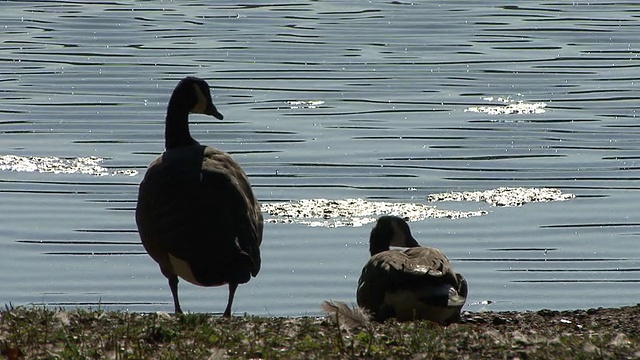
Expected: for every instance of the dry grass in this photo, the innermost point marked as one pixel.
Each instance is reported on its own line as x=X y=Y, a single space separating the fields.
x=31 y=333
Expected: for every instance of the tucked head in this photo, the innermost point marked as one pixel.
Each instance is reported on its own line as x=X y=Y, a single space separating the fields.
x=193 y=95
x=390 y=231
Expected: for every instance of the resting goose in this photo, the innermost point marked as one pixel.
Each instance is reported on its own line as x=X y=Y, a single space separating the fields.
x=196 y=214
x=416 y=283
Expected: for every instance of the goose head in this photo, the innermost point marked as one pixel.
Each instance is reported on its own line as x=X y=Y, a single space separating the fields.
x=390 y=231
x=191 y=96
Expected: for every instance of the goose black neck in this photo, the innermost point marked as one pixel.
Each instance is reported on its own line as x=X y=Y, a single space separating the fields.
x=380 y=237
x=376 y=247
x=176 y=132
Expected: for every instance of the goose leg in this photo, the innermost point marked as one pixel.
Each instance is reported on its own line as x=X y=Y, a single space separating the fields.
x=232 y=292
x=173 y=285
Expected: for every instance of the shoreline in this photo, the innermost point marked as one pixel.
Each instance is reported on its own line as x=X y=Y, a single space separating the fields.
x=31 y=332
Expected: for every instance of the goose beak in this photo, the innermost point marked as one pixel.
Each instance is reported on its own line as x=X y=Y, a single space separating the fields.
x=211 y=110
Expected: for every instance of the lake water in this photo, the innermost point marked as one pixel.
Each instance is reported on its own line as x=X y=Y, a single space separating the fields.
x=383 y=101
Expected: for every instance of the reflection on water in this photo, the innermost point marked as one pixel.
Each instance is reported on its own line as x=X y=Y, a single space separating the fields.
x=359 y=212
x=90 y=165
x=509 y=107
x=384 y=102
x=505 y=196
x=353 y=212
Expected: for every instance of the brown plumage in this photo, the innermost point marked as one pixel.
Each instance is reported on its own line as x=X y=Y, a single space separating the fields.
x=196 y=214
x=417 y=283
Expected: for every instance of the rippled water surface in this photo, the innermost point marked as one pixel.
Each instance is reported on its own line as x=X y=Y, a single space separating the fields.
x=380 y=100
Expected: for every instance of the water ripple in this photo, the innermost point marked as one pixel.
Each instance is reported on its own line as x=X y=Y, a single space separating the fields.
x=380 y=102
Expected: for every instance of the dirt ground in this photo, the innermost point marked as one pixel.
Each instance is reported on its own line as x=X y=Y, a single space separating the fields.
x=625 y=320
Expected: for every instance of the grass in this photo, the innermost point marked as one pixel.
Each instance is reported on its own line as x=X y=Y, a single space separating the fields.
x=41 y=333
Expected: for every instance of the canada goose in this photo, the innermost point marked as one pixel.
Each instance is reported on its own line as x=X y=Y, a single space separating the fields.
x=417 y=283
x=197 y=216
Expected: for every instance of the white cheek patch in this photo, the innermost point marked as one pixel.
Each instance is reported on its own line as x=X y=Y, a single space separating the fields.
x=201 y=105
x=182 y=269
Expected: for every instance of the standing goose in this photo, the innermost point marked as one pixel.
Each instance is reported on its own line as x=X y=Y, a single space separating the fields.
x=197 y=216
x=417 y=283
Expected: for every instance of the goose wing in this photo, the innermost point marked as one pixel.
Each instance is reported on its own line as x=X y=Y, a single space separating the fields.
x=196 y=204
x=226 y=184
x=376 y=279
x=428 y=263
x=435 y=281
